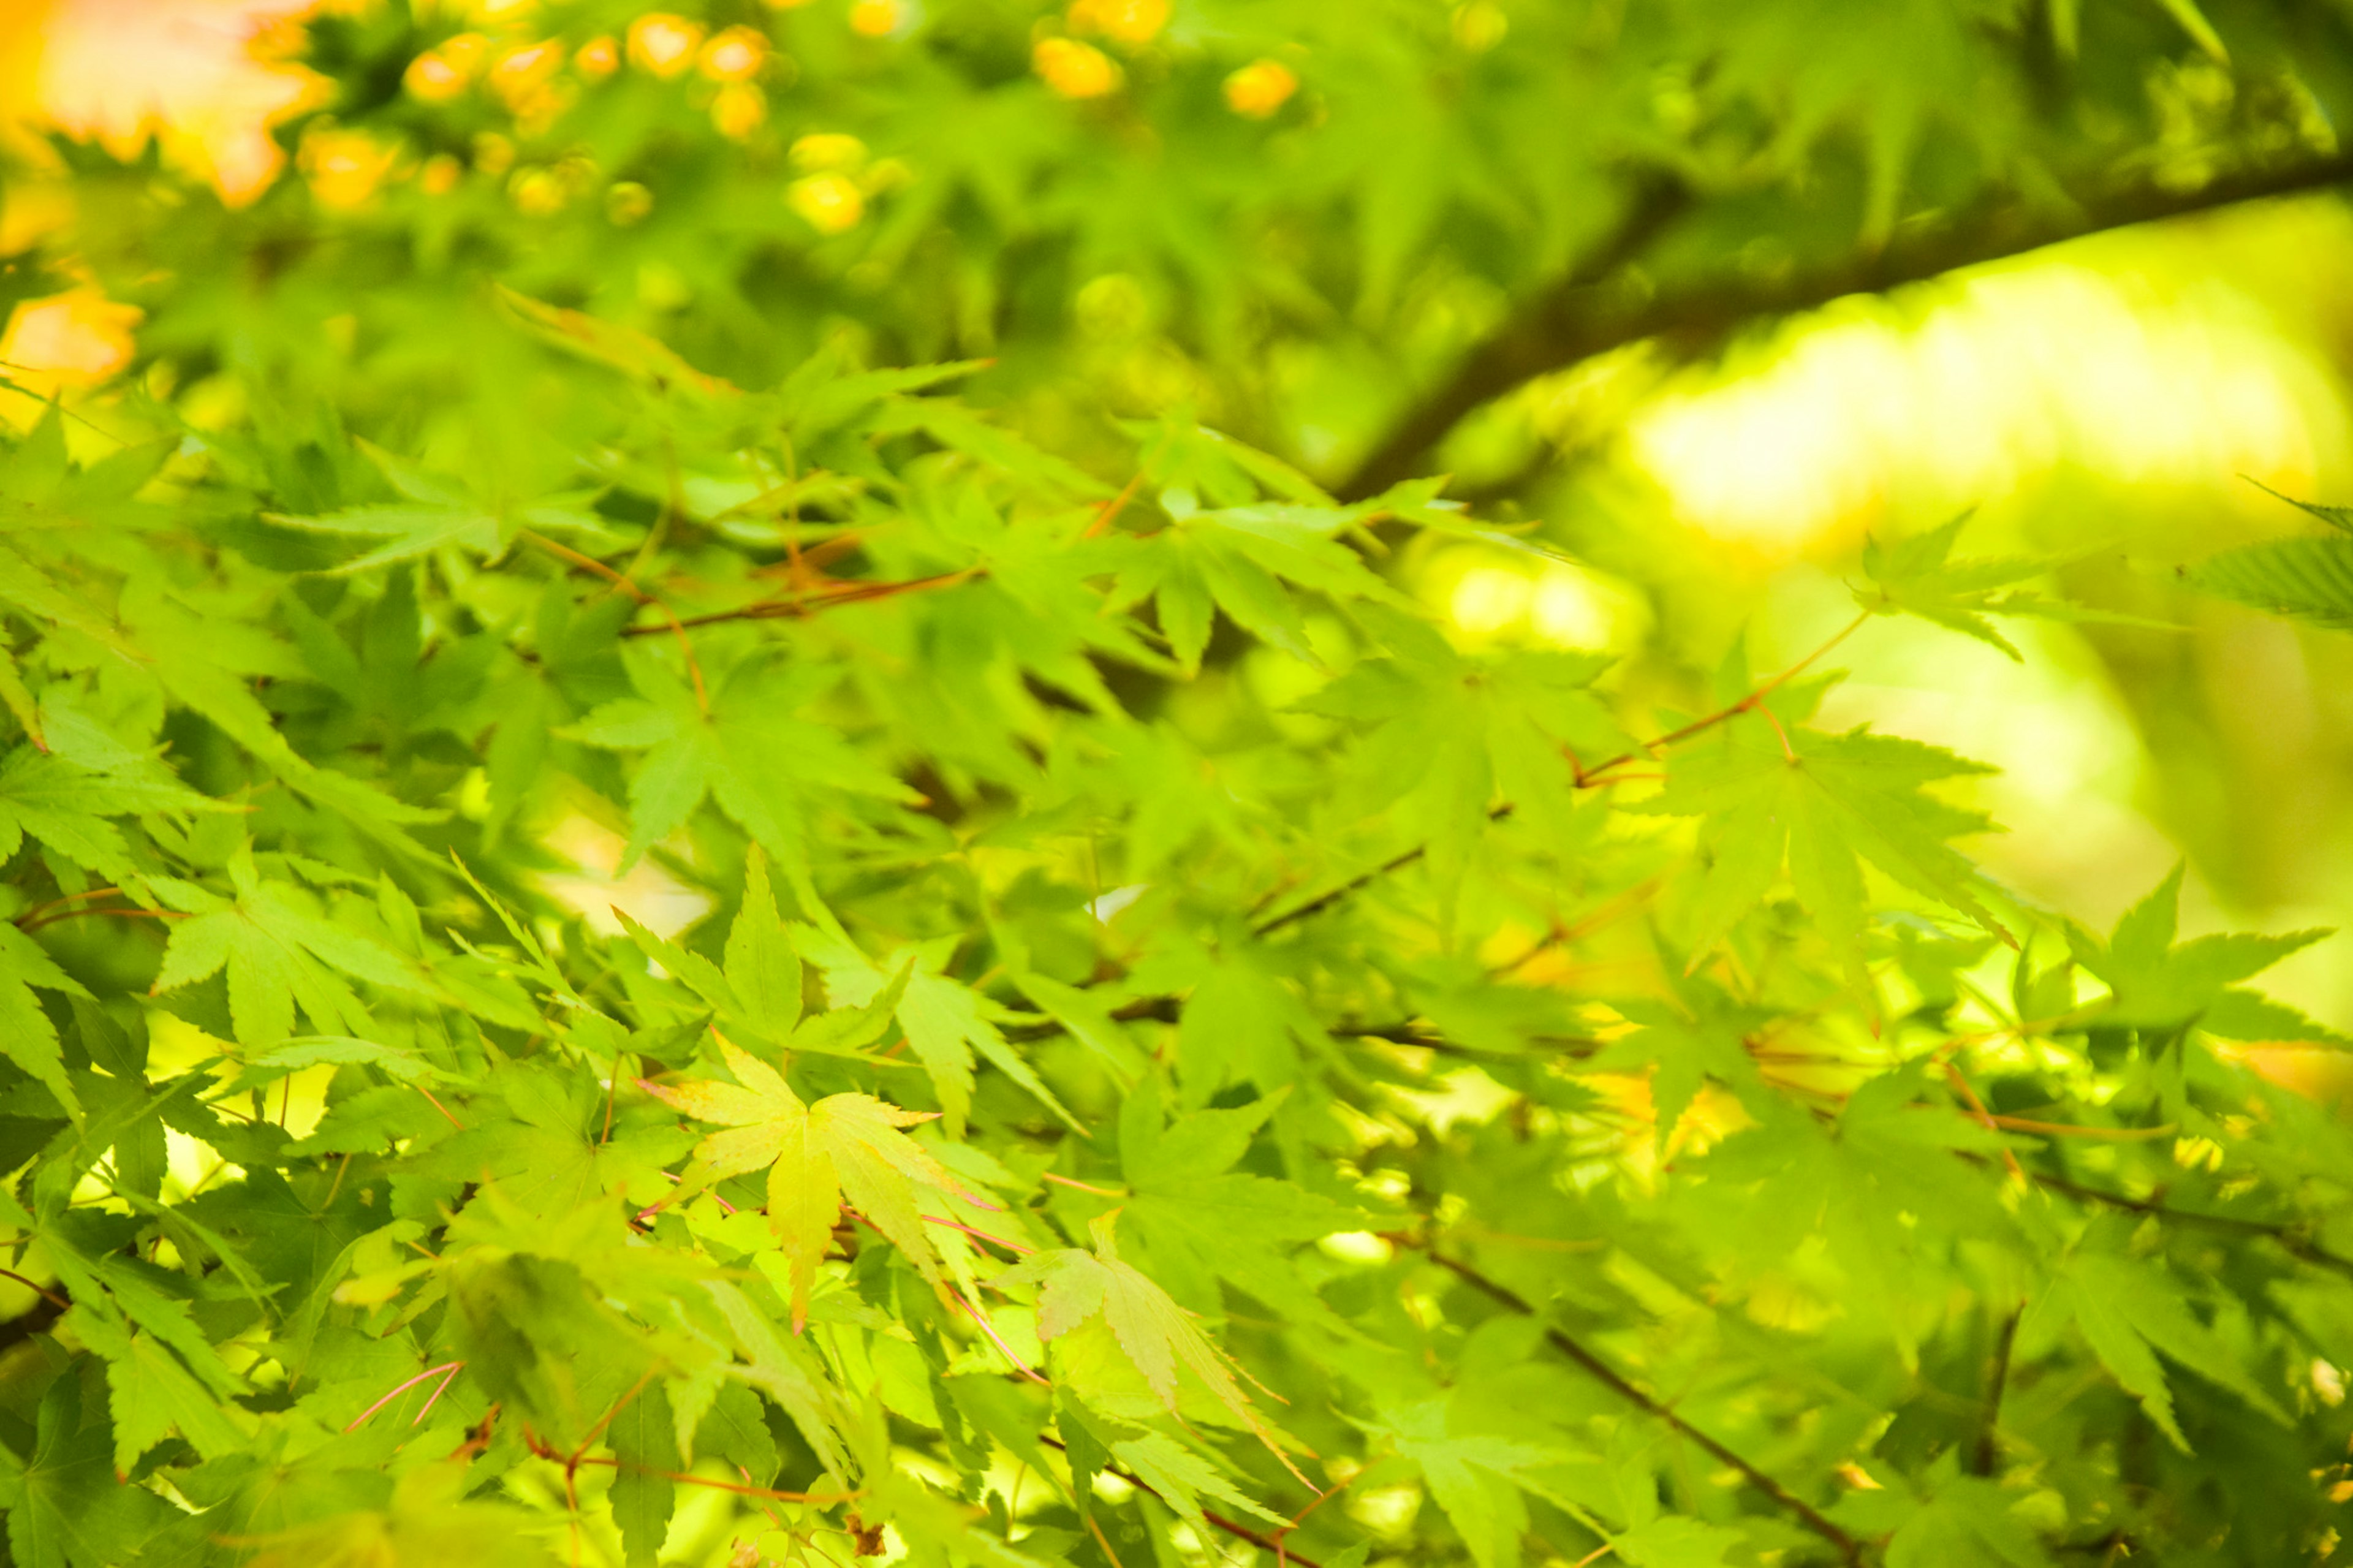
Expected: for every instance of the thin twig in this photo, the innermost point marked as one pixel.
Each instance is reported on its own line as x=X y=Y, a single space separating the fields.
x=118 y=915
x=540 y=1447
x=1804 y=1511
x=1237 y=1531
x=998 y=1240
x=1961 y=1086
x=820 y=599
x=1081 y=1186
x=2068 y=1130
x=621 y=581
x=2289 y=1236
x=1587 y=777
x=981 y=1319
x=1108 y=512
x=1583 y=777
x=43 y=1291
x=38 y=910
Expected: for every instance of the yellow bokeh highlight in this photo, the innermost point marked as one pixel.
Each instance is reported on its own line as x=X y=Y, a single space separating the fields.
x=64 y=343
x=1131 y=22
x=441 y=74
x=1480 y=25
x=828 y=203
x=877 y=19
x=627 y=203
x=663 y=44
x=597 y=59
x=1491 y=596
x=2015 y=372
x=1260 y=87
x=192 y=73
x=1075 y=69
x=824 y=150
x=344 y=168
x=521 y=74
x=735 y=55
x=738 y=110
x=539 y=193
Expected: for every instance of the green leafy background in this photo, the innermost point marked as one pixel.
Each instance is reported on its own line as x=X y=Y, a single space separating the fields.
x=1727 y=984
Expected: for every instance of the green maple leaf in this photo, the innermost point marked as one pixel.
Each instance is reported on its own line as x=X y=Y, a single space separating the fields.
x=41 y=490
x=1199 y=1216
x=65 y=805
x=438 y=512
x=1915 y=577
x=746 y=752
x=278 y=950
x=947 y=1021
x=1683 y=1046
x=2130 y=1311
x=643 y=1436
x=2156 y=982
x=428 y=1523
x=1476 y=1477
x=1238 y=560
x=63 y=1508
x=1822 y=805
x=1443 y=734
x=153 y=1395
x=846 y=1146
x=26 y=1035
x=758 y=991
x=1157 y=1336
x=18 y=697
x=778 y=1367
x=763 y=970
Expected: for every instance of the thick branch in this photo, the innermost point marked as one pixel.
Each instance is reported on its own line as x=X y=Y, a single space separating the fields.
x=1597 y=308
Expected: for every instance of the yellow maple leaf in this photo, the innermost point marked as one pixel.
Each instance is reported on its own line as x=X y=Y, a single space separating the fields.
x=844 y=1146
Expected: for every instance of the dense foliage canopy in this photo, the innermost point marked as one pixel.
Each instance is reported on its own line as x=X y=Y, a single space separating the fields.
x=1146 y=1043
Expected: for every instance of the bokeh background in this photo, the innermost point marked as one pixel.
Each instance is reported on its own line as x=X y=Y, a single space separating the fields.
x=2116 y=401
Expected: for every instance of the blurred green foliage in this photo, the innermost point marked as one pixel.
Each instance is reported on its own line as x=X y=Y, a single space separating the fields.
x=750 y=816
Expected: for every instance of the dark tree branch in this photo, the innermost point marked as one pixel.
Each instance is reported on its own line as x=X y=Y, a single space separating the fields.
x=38 y=1319
x=1805 y=1512
x=1598 y=308
x=2289 y=1236
x=1282 y=1553
x=1502 y=362
x=1982 y=1456
x=1323 y=901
